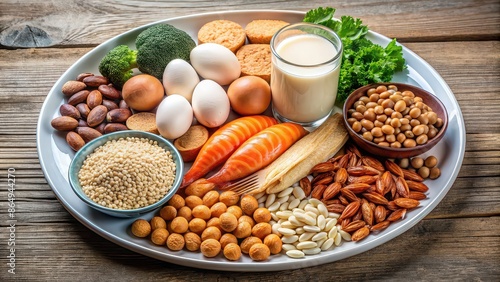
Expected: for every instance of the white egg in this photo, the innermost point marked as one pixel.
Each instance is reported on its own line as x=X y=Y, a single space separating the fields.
x=216 y=62
x=180 y=78
x=210 y=103
x=174 y=116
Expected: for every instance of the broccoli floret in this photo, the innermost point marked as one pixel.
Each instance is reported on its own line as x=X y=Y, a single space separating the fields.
x=118 y=64
x=160 y=44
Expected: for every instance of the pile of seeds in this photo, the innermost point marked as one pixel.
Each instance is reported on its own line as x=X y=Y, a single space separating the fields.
x=128 y=173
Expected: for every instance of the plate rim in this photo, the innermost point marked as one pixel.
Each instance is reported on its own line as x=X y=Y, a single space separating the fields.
x=323 y=258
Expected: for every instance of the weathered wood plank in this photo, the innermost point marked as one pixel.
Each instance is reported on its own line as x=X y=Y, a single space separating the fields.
x=72 y=23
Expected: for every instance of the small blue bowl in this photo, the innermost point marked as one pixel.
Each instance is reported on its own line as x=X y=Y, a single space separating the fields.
x=80 y=156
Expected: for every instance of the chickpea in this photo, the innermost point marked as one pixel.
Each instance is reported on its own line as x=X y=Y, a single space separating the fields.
x=373 y=97
x=368 y=136
x=193 y=201
x=434 y=173
x=261 y=230
x=357 y=115
x=175 y=242
x=141 y=228
x=408 y=93
x=185 y=212
x=385 y=95
x=409 y=134
x=192 y=241
x=360 y=108
x=168 y=213
x=400 y=105
x=419 y=105
x=248 y=242
x=401 y=137
x=210 y=248
x=418 y=130
x=236 y=210
x=388 y=104
x=358 y=103
x=396 y=144
x=368 y=124
x=390 y=138
x=177 y=201
x=248 y=204
x=217 y=209
x=159 y=236
x=243 y=230
x=378 y=110
x=232 y=251
x=230 y=198
x=259 y=252
x=424 y=172
x=439 y=122
x=415 y=112
x=417 y=162
x=417 y=99
x=371 y=91
x=364 y=99
x=378 y=123
x=210 y=198
x=381 y=88
x=356 y=126
x=432 y=133
x=377 y=132
x=227 y=238
x=409 y=143
x=228 y=222
x=396 y=122
x=247 y=219
x=157 y=222
x=422 y=139
x=215 y=222
x=351 y=120
x=384 y=143
x=273 y=242
x=379 y=139
x=404 y=162
x=179 y=225
x=199 y=188
x=387 y=129
x=405 y=127
x=202 y=211
x=414 y=122
x=388 y=111
x=211 y=232
x=197 y=225
x=431 y=161
x=350 y=111
x=262 y=215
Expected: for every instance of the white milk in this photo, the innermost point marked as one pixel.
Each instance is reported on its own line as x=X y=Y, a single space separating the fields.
x=304 y=93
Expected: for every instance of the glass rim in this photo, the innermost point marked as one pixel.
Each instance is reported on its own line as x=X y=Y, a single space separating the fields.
x=289 y=26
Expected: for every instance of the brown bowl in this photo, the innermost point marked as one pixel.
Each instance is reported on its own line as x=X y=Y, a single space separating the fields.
x=389 y=152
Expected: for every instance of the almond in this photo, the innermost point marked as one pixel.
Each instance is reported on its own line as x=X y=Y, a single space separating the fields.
x=83 y=75
x=379 y=214
x=411 y=175
x=397 y=214
x=402 y=187
x=97 y=115
x=70 y=111
x=318 y=191
x=368 y=179
x=376 y=198
x=94 y=99
x=109 y=91
x=344 y=160
x=331 y=190
x=322 y=179
x=417 y=186
x=95 y=80
x=118 y=115
x=373 y=162
x=341 y=175
x=357 y=188
x=379 y=186
x=367 y=212
x=88 y=133
x=110 y=105
x=354 y=225
x=73 y=86
x=417 y=195
x=353 y=150
x=83 y=109
x=323 y=167
x=349 y=195
x=380 y=226
x=391 y=205
x=78 y=97
x=407 y=203
x=358 y=215
x=305 y=184
x=113 y=127
x=388 y=182
x=75 y=141
x=362 y=170
x=350 y=210
x=64 y=123
x=336 y=208
x=360 y=234
x=101 y=127
x=394 y=168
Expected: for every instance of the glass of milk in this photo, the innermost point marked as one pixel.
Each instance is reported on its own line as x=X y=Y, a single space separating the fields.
x=305 y=73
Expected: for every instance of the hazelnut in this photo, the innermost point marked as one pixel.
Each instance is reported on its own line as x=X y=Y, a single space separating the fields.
x=248 y=204
x=232 y=251
x=202 y=211
x=157 y=222
x=185 y=212
x=228 y=222
x=210 y=198
x=168 y=212
x=227 y=238
x=199 y=188
x=274 y=243
x=247 y=219
x=192 y=241
x=210 y=248
x=261 y=230
x=217 y=209
x=211 y=232
x=230 y=198
x=175 y=242
x=235 y=210
x=193 y=201
x=177 y=201
x=141 y=228
x=214 y=221
x=259 y=252
x=159 y=236
x=179 y=225
x=197 y=225
x=262 y=215
x=248 y=242
x=243 y=230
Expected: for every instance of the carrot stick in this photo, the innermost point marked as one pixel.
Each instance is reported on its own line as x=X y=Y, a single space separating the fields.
x=259 y=151
x=223 y=143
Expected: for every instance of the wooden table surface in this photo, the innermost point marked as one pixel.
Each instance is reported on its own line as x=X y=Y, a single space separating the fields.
x=458 y=240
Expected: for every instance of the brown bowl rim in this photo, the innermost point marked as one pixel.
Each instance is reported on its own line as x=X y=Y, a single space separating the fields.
x=427 y=146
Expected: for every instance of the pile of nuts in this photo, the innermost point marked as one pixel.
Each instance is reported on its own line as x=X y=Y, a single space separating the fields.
x=94 y=107
x=212 y=222
x=425 y=168
x=394 y=119
x=367 y=193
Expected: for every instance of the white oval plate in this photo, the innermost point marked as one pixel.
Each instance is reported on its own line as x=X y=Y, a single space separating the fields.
x=55 y=156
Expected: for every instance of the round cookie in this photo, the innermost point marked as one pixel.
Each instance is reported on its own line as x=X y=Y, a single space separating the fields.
x=255 y=59
x=227 y=33
x=261 y=31
x=143 y=121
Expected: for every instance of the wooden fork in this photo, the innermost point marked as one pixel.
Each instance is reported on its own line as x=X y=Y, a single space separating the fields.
x=248 y=184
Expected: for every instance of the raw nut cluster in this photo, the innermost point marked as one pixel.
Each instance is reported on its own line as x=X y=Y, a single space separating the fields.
x=304 y=224
x=426 y=168
x=367 y=193
x=392 y=118
x=213 y=223
x=93 y=107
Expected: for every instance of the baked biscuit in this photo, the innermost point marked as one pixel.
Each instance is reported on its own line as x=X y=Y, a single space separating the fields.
x=223 y=32
x=255 y=59
x=261 y=31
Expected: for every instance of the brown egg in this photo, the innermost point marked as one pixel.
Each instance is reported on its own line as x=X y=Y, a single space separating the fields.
x=143 y=92
x=249 y=95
